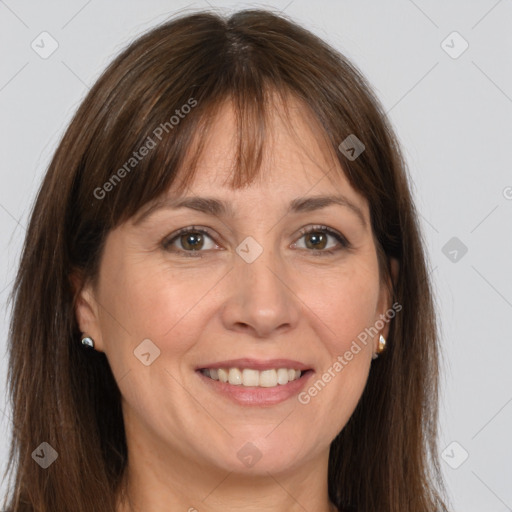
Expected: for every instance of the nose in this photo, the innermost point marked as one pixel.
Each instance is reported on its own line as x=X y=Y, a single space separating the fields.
x=261 y=301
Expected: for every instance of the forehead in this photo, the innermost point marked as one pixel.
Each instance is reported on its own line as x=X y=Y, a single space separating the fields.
x=299 y=171
x=298 y=158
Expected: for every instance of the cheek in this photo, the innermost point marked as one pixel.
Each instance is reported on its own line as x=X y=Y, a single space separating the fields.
x=347 y=305
x=151 y=300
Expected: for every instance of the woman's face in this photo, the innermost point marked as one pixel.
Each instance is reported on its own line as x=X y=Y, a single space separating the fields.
x=251 y=293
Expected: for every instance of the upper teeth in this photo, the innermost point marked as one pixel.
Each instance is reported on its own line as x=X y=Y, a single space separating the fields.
x=249 y=377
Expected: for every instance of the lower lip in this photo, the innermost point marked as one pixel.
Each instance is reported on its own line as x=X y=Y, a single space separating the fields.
x=251 y=395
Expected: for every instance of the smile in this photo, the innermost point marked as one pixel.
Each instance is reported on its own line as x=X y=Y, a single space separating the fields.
x=251 y=387
x=249 y=377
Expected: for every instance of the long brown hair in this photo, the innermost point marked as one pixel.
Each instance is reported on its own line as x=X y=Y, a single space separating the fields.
x=385 y=459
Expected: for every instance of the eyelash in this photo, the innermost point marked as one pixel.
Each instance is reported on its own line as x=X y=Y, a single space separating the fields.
x=344 y=243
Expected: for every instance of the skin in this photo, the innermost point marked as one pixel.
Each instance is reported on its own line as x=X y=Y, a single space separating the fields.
x=291 y=302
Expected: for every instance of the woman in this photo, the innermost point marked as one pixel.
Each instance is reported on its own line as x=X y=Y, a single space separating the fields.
x=223 y=300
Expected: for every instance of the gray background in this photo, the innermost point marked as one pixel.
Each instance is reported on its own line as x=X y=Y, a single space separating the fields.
x=452 y=113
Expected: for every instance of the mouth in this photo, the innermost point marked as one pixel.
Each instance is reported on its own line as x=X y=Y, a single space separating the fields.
x=250 y=377
x=256 y=382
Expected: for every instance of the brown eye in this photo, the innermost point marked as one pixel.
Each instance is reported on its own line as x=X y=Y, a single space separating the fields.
x=191 y=241
x=188 y=240
x=317 y=239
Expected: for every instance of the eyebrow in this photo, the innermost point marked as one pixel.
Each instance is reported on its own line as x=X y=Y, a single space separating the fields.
x=220 y=208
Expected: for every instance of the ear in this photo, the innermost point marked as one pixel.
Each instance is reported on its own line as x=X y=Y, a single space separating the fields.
x=385 y=299
x=86 y=309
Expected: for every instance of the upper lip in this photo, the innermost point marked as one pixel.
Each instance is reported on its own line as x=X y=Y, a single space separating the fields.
x=257 y=364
